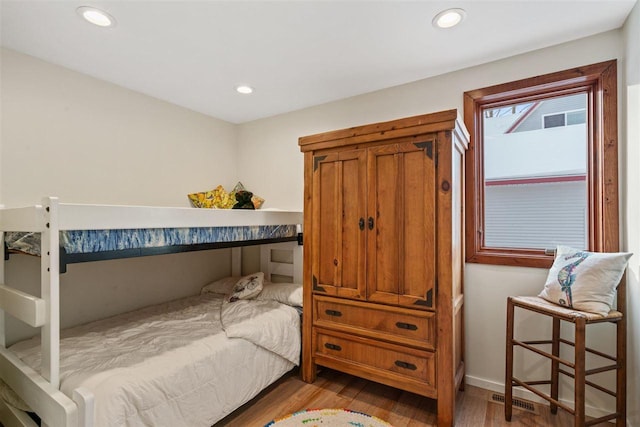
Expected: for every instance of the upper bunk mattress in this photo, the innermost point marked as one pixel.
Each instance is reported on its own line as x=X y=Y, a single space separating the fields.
x=92 y=241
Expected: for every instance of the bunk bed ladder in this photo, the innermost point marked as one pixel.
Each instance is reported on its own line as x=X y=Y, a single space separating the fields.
x=50 y=291
x=39 y=390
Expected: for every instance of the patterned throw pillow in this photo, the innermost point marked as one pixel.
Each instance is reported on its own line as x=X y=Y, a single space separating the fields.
x=218 y=198
x=586 y=281
x=247 y=287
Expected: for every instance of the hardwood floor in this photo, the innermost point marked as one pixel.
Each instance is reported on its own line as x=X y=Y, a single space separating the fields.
x=401 y=409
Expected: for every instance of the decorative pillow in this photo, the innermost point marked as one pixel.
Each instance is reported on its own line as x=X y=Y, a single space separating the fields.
x=199 y=200
x=586 y=281
x=217 y=198
x=238 y=187
x=247 y=287
x=285 y=293
x=257 y=201
x=223 y=286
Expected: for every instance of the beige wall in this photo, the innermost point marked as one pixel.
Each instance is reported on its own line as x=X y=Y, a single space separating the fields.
x=631 y=205
x=88 y=141
x=83 y=140
x=486 y=286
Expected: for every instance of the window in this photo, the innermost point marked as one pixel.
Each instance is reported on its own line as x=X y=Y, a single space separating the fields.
x=553 y=120
x=576 y=117
x=534 y=176
x=542 y=167
x=567 y=118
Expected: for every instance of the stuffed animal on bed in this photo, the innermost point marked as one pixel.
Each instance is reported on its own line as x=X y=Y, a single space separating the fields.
x=243 y=200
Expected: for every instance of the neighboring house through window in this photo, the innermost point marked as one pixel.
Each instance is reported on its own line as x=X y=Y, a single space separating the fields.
x=535 y=176
x=543 y=166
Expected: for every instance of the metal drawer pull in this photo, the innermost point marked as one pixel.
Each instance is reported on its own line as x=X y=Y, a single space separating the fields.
x=334 y=347
x=407 y=326
x=334 y=313
x=406 y=365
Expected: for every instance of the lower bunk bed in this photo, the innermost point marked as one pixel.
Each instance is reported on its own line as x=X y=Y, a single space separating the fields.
x=188 y=362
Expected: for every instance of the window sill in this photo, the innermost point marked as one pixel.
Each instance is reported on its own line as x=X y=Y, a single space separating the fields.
x=514 y=258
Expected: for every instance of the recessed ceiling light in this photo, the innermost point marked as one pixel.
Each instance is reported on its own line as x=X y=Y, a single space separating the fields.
x=449 y=18
x=96 y=16
x=244 y=89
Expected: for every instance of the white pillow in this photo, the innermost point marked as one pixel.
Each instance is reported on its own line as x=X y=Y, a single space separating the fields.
x=285 y=293
x=247 y=287
x=223 y=286
x=586 y=281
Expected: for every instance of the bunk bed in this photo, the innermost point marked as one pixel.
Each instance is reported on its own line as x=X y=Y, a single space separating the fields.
x=62 y=393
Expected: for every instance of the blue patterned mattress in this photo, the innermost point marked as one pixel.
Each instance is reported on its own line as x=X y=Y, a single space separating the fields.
x=92 y=241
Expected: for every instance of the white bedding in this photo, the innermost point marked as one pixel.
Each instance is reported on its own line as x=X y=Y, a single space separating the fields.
x=173 y=364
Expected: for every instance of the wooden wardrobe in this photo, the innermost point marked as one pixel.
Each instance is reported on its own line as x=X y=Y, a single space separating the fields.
x=383 y=254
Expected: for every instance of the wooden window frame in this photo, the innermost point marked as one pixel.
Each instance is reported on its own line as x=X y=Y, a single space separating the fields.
x=599 y=81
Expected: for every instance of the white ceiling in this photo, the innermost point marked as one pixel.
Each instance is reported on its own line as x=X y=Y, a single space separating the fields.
x=294 y=53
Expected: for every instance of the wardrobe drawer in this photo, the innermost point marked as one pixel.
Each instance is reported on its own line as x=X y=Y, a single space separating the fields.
x=394 y=324
x=384 y=362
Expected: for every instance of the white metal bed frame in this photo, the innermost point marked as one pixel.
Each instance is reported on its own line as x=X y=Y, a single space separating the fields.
x=41 y=390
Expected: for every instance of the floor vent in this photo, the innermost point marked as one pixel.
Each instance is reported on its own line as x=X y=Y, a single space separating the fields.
x=517 y=403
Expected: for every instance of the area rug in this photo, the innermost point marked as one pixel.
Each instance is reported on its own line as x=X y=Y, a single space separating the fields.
x=328 y=417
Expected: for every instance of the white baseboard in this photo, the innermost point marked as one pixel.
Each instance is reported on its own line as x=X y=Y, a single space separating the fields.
x=522 y=393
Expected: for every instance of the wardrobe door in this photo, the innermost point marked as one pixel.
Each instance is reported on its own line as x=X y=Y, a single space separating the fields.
x=339 y=207
x=417 y=253
x=384 y=200
x=401 y=210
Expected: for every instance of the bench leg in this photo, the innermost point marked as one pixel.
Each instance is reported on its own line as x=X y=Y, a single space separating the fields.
x=580 y=368
x=555 y=365
x=508 y=380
